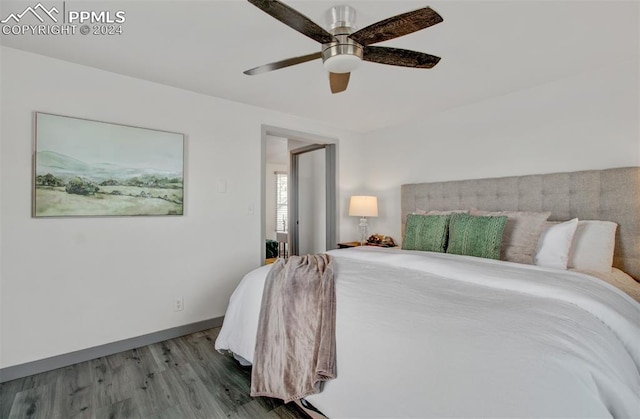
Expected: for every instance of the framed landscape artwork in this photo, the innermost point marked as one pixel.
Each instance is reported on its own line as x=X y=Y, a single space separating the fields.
x=91 y=168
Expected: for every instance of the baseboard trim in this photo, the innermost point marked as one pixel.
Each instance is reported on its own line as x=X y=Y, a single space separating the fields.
x=64 y=360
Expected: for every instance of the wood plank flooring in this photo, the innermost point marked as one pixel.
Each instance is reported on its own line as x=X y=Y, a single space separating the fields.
x=180 y=378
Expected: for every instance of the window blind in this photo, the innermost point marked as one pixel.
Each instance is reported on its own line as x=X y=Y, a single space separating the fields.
x=282 y=209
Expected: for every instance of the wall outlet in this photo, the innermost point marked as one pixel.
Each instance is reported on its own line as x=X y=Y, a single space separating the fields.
x=178 y=304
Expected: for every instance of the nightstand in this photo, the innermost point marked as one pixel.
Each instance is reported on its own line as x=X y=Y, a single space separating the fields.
x=346 y=245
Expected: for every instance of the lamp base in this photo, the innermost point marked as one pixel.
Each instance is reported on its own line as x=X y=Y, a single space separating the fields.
x=363 y=231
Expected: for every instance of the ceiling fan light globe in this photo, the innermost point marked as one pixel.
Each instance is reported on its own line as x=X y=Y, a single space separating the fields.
x=344 y=63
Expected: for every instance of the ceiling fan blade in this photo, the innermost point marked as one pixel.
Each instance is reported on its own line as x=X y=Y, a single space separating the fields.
x=338 y=82
x=294 y=19
x=282 y=64
x=399 y=57
x=396 y=26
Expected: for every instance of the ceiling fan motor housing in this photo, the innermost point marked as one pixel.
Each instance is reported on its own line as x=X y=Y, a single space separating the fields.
x=344 y=54
x=339 y=17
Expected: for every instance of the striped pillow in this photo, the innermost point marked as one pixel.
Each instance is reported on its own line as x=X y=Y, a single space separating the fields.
x=426 y=232
x=476 y=236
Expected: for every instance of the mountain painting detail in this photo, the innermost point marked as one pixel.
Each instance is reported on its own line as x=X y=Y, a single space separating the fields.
x=91 y=168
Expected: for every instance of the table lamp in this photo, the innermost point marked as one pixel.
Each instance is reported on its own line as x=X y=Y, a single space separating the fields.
x=363 y=207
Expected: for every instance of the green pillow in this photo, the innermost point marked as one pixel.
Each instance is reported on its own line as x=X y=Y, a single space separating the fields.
x=476 y=236
x=426 y=232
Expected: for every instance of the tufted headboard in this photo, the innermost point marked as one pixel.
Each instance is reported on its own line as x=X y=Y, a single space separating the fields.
x=610 y=194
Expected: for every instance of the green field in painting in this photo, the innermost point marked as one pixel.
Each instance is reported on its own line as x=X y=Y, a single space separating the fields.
x=128 y=200
x=169 y=194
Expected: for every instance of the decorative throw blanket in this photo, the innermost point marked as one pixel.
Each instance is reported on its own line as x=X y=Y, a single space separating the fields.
x=295 y=342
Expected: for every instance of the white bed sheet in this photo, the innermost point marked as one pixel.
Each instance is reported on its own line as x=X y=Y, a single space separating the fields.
x=434 y=335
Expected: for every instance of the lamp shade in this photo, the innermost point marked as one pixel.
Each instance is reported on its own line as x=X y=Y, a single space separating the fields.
x=363 y=206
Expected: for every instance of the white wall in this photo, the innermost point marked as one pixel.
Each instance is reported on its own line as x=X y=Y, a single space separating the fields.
x=588 y=121
x=73 y=283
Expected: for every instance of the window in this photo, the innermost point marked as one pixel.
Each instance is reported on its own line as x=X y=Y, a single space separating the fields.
x=282 y=210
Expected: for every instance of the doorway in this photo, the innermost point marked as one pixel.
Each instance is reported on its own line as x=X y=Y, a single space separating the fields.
x=307 y=163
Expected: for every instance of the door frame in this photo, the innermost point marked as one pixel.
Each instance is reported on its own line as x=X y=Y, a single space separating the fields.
x=268 y=130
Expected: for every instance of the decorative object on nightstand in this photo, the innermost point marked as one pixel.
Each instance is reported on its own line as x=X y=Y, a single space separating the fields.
x=380 y=240
x=363 y=207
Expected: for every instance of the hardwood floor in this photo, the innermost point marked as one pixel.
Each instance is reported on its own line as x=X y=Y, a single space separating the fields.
x=180 y=378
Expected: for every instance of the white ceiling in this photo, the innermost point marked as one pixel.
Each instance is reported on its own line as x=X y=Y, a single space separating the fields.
x=488 y=48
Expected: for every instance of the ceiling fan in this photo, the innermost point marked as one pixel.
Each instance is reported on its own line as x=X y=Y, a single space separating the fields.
x=344 y=47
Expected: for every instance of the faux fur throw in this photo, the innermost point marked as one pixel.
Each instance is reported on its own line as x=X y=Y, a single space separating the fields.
x=296 y=343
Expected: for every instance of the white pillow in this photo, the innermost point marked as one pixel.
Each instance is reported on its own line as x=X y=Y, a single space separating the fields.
x=555 y=244
x=593 y=246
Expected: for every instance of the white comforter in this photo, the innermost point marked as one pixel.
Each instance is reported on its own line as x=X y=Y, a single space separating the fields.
x=435 y=335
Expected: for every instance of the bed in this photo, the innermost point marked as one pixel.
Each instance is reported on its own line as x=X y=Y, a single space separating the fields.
x=428 y=334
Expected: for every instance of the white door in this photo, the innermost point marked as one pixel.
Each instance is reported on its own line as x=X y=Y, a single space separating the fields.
x=312 y=202
x=312 y=194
